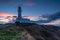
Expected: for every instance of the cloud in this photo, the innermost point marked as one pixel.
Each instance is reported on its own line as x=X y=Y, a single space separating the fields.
x=3 y=17
x=36 y=18
x=3 y=21
x=31 y=18
x=29 y=3
x=54 y=19
x=55 y=22
x=55 y=16
x=6 y=14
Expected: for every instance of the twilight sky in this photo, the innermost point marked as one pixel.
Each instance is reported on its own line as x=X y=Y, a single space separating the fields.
x=30 y=7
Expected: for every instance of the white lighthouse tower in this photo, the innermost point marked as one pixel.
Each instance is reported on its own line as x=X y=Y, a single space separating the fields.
x=19 y=18
x=19 y=13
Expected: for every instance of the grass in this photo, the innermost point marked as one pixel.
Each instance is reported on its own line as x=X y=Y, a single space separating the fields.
x=7 y=35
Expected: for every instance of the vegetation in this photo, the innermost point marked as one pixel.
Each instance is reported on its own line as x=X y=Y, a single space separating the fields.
x=12 y=32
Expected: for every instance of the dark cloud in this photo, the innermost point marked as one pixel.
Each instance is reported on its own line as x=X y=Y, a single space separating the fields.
x=51 y=18
x=55 y=16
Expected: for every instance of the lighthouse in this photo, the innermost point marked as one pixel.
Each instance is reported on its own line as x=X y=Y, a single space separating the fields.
x=19 y=18
x=19 y=13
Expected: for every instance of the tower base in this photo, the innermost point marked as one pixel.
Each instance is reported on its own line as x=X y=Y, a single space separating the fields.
x=23 y=24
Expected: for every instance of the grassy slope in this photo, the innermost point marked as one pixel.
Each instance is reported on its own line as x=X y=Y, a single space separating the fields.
x=12 y=32
x=39 y=32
